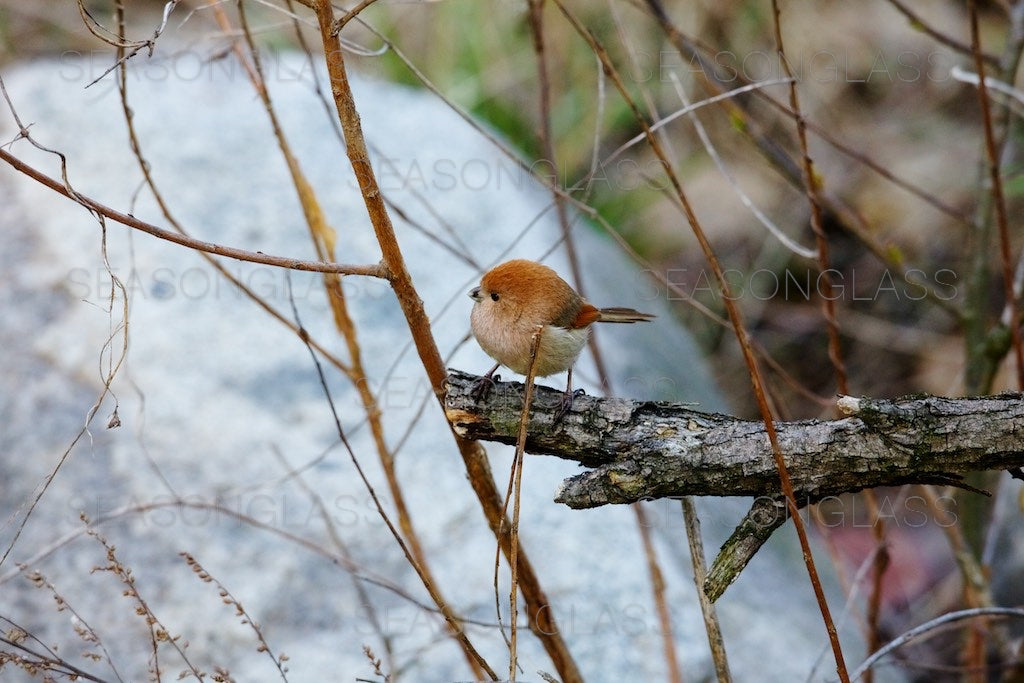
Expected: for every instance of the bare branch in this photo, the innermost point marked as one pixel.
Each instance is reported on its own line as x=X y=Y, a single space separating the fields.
x=924 y=629
x=921 y=25
x=641 y=450
x=645 y=449
x=373 y=270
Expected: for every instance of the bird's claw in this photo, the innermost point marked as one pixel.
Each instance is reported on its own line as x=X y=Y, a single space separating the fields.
x=566 y=405
x=483 y=386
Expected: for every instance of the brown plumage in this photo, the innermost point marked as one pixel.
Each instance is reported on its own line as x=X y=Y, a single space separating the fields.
x=516 y=297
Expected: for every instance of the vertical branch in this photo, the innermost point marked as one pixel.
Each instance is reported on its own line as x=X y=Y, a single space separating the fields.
x=359 y=158
x=739 y=329
x=811 y=181
x=700 y=575
x=473 y=456
x=675 y=674
x=516 y=488
x=835 y=350
x=986 y=347
x=999 y=200
x=879 y=565
x=977 y=592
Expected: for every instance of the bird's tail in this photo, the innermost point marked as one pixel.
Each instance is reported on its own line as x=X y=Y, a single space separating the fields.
x=623 y=315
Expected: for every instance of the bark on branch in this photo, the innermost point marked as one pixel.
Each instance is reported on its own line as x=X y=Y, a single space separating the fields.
x=641 y=450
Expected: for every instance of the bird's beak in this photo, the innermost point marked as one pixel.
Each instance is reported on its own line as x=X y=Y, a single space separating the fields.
x=475 y=294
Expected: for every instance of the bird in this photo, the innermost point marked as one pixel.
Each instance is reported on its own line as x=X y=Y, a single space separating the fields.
x=513 y=299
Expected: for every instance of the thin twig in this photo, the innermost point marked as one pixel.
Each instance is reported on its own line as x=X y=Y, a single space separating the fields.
x=14 y=637
x=784 y=239
x=918 y=23
x=157 y=631
x=376 y=270
x=700 y=575
x=811 y=183
x=535 y=21
x=350 y=15
x=995 y=175
x=931 y=625
x=516 y=486
x=82 y=627
x=852 y=592
x=959 y=74
x=107 y=376
x=336 y=540
x=835 y=353
x=229 y=599
x=668 y=644
x=118 y=40
x=688 y=109
x=977 y=592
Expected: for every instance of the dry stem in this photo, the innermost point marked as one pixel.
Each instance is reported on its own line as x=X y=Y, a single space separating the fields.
x=376 y=270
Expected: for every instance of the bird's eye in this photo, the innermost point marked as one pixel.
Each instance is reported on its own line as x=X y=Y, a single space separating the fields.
x=494 y=296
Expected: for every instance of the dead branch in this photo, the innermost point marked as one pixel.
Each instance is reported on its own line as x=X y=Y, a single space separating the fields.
x=643 y=450
x=378 y=270
x=640 y=450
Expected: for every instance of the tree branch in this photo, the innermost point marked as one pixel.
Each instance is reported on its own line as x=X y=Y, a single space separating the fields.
x=378 y=270
x=642 y=450
x=645 y=449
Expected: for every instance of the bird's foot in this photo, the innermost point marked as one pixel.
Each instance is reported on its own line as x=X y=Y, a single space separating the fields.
x=483 y=386
x=566 y=404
